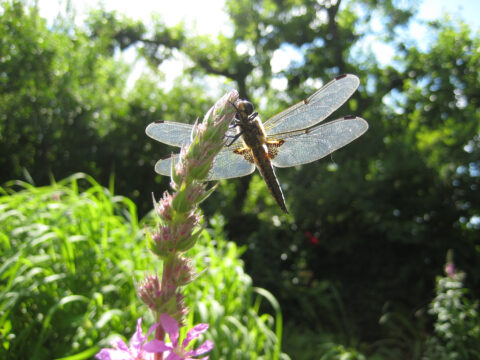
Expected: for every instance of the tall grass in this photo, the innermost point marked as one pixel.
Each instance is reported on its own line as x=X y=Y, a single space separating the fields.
x=69 y=253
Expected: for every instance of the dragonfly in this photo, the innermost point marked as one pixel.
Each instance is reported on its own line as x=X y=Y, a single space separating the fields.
x=292 y=137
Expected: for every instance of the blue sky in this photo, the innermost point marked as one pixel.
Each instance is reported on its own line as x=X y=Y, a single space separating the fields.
x=468 y=10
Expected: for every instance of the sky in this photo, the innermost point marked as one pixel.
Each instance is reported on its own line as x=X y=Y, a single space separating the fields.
x=211 y=19
x=195 y=12
x=468 y=10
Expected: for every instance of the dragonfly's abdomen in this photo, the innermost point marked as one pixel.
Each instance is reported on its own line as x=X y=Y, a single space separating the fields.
x=265 y=167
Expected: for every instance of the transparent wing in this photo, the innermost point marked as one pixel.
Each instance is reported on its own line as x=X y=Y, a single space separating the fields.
x=171 y=133
x=304 y=146
x=226 y=165
x=164 y=166
x=315 y=108
x=229 y=165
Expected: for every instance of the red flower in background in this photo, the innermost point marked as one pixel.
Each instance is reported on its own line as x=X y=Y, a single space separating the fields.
x=313 y=240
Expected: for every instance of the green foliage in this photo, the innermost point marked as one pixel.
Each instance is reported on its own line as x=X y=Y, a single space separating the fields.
x=69 y=252
x=457 y=321
x=306 y=344
x=57 y=94
x=225 y=292
x=67 y=257
x=65 y=107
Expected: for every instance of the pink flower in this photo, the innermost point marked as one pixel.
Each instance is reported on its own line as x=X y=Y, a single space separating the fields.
x=450 y=269
x=133 y=352
x=175 y=350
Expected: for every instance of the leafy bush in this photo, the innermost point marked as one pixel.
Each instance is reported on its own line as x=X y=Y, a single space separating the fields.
x=69 y=252
x=457 y=321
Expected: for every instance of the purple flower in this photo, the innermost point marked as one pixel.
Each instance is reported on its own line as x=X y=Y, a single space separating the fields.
x=135 y=350
x=175 y=350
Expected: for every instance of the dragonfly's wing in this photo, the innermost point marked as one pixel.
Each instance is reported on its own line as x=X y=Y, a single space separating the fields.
x=229 y=165
x=304 y=146
x=164 y=166
x=315 y=108
x=171 y=133
x=226 y=165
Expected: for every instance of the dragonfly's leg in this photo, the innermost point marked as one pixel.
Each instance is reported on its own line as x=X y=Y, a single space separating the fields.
x=234 y=124
x=236 y=109
x=235 y=106
x=233 y=138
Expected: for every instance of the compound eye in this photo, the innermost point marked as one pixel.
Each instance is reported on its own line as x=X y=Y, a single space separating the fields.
x=247 y=107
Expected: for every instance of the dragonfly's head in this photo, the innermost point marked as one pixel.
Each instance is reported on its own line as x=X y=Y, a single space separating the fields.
x=244 y=110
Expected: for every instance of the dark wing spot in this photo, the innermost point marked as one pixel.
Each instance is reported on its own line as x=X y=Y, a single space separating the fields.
x=273 y=146
x=246 y=153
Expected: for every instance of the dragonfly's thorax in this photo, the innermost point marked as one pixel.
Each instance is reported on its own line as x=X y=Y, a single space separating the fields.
x=250 y=125
x=253 y=133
